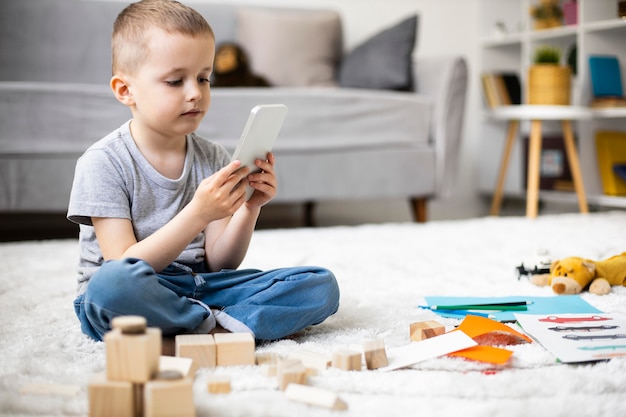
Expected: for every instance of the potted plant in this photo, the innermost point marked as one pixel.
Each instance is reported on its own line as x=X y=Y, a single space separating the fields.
x=549 y=82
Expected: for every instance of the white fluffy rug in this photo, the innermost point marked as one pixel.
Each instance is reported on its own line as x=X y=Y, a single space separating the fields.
x=383 y=271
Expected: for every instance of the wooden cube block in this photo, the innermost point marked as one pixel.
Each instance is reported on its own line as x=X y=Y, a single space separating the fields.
x=130 y=324
x=266 y=358
x=133 y=357
x=110 y=398
x=218 y=384
x=269 y=361
x=138 y=398
x=169 y=398
x=375 y=354
x=348 y=360
x=290 y=371
x=425 y=330
x=200 y=348
x=174 y=363
x=312 y=360
x=234 y=349
x=315 y=396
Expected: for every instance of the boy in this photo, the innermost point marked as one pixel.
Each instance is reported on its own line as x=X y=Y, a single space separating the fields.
x=163 y=219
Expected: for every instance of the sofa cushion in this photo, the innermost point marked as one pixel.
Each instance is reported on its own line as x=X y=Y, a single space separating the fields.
x=273 y=39
x=57 y=40
x=317 y=118
x=383 y=61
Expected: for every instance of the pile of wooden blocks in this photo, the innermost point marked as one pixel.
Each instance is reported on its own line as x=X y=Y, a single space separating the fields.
x=139 y=382
x=133 y=385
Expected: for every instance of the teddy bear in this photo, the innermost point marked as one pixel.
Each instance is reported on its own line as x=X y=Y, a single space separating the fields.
x=232 y=69
x=547 y=14
x=573 y=275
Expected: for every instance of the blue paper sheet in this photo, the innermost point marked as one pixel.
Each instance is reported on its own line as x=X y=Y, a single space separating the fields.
x=559 y=304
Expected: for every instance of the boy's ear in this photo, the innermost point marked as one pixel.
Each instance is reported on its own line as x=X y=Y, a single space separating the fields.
x=121 y=90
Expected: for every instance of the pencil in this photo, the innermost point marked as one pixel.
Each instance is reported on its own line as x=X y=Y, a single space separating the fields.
x=506 y=306
x=463 y=313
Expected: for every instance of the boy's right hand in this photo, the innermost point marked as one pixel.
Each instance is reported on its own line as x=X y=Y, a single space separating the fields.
x=221 y=194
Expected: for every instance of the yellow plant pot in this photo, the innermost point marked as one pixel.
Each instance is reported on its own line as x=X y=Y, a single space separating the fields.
x=549 y=84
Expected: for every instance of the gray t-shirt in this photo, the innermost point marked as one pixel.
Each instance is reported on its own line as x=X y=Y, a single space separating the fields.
x=113 y=179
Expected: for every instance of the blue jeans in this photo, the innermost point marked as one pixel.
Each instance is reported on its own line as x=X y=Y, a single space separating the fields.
x=269 y=304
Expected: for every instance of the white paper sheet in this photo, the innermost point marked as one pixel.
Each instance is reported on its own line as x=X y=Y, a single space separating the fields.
x=578 y=337
x=407 y=355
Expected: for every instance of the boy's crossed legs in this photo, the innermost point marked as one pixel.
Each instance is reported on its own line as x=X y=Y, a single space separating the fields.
x=270 y=304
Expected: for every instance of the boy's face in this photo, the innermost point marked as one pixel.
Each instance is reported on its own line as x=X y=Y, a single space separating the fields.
x=170 y=91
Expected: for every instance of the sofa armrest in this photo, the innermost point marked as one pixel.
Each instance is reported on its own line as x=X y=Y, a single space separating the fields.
x=444 y=80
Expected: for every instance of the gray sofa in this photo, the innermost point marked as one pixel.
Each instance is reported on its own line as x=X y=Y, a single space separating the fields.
x=337 y=143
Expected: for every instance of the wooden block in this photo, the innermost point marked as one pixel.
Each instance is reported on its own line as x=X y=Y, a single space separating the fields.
x=348 y=360
x=266 y=358
x=218 y=384
x=132 y=357
x=110 y=398
x=315 y=396
x=130 y=324
x=269 y=361
x=375 y=354
x=425 y=330
x=312 y=360
x=200 y=348
x=169 y=398
x=174 y=363
x=234 y=349
x=139 y=399
x=290 y=371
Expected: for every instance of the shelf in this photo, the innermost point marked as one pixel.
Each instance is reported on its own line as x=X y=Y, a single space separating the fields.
x=599 y=31
x=554 y=33
x=528 y=112
x=609 y=113
x=510 y=39
x=540 y=112
x=569 y=197
x=603 y=25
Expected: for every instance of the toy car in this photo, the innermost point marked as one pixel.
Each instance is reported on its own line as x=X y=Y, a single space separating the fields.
x=607 y=336
x=556 y=319
x=581 y=329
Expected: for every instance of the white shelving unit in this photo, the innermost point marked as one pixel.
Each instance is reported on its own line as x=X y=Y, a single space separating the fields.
x=598 y=31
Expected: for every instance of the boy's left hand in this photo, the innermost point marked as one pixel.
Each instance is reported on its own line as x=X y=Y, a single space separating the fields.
x=263 y=182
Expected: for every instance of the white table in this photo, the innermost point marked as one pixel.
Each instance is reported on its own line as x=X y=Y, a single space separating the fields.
x=537 y=114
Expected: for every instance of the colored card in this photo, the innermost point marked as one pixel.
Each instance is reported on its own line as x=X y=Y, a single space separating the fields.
x=559 y=304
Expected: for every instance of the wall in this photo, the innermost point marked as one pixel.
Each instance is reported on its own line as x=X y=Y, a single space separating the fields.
x=445 y=27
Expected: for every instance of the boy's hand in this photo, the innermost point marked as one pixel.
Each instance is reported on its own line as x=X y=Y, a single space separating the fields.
x=221 y=194
x=263 y=182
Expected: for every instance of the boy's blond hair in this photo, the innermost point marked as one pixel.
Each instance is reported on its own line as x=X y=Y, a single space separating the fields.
x=129 y=45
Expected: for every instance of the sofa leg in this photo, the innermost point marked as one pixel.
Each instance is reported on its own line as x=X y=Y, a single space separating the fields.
x=420 y=209
x=309 y=214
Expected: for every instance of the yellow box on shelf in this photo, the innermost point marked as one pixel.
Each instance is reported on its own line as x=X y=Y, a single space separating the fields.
x=611 y=150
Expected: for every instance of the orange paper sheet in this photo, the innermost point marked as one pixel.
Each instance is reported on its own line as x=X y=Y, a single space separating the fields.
x=475 y=326
x=487 y=354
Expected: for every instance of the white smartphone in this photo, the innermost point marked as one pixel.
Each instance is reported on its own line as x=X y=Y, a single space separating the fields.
x=259 y=135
